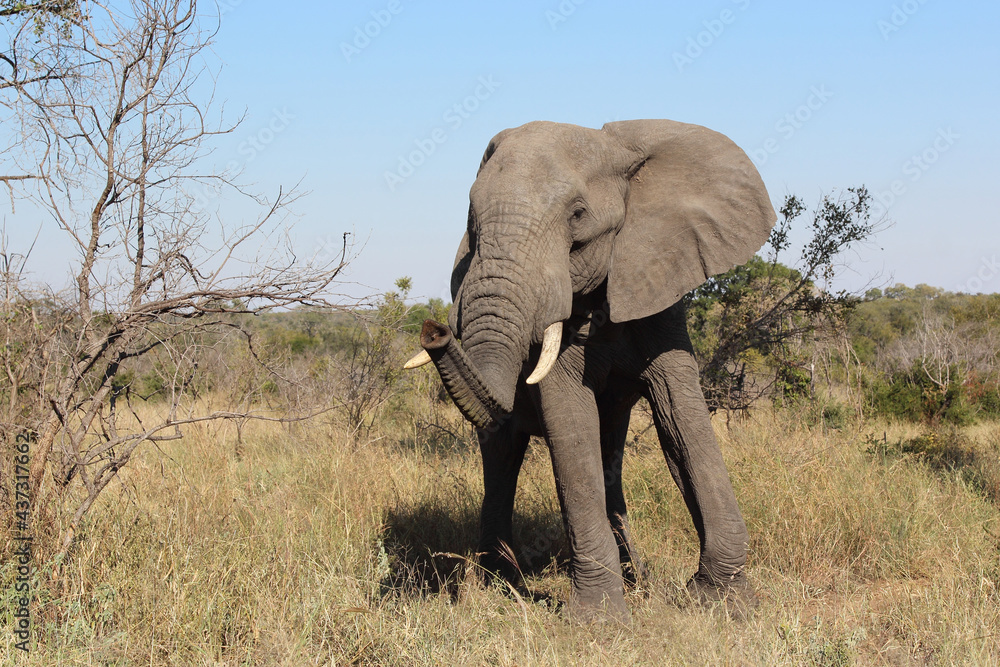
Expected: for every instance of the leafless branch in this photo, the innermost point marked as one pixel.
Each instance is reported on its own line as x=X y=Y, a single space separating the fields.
x=111 y=127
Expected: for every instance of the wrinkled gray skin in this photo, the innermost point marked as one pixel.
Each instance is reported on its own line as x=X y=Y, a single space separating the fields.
x=604 y=230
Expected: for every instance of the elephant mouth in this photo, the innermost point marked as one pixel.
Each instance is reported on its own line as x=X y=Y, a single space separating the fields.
x=463 y=381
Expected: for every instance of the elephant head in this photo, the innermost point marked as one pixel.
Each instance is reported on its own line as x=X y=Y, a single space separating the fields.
x=646 y=210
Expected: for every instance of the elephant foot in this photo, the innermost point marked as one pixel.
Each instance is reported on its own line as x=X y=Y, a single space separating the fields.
x=498 y=566
x=736 y=595
x=590 y=610
x=634 y=573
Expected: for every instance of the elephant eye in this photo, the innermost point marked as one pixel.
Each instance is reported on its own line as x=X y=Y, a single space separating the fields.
x=577 y=213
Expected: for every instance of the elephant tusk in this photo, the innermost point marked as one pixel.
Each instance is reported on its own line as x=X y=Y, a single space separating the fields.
x=550 y=352
x=419 y=359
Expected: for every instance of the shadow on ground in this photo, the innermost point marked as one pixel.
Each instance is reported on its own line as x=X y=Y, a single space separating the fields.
x=431 y=546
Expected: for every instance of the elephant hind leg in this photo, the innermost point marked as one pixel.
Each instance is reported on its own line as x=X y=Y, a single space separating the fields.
x=503 y=453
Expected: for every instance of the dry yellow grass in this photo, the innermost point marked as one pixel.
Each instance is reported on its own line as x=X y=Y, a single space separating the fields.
x=311 y=549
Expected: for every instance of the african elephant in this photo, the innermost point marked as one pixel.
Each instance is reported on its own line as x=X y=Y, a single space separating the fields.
x=567 y=295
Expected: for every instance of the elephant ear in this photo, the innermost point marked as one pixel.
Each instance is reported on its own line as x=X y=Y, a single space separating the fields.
x=462 y=261
x=696 y=206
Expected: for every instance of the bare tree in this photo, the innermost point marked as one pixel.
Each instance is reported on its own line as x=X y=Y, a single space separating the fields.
x=944 y=352
x=41 y=10
x=939 y=348
x=114 y=137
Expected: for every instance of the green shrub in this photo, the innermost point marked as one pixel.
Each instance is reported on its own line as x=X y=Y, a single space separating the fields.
x=911 y=395
x=791 y=381
x=834 y=415
x=989 y=402
x=983 y=393
x=895 y=397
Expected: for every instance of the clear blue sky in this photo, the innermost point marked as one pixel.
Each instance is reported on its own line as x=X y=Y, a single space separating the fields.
x=886 y=81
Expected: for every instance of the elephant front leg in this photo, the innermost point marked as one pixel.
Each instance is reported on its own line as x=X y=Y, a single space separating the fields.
x=614 y=415
x=695 y=461
x=502 y=450
x=570 y=420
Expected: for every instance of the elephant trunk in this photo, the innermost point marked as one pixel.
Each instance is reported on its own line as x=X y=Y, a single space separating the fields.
x=495 y=312
x=461 y=379
x=505 y=304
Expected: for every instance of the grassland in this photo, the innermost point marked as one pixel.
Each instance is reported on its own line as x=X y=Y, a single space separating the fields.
x=872 y=544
